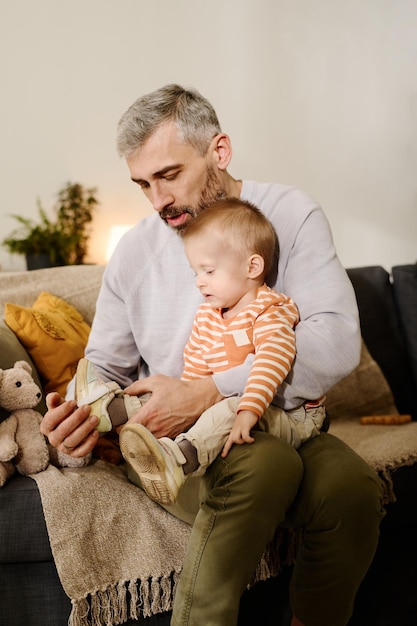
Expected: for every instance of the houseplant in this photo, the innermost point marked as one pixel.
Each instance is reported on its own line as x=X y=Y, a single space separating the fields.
x=62 y=240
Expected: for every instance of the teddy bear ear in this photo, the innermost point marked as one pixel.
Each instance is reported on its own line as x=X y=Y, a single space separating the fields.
x=24 y=365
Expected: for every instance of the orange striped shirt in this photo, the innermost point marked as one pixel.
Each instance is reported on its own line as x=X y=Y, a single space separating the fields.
x=265 y=327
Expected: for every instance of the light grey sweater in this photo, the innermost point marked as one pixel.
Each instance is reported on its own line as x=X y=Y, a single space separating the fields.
x=148 y=300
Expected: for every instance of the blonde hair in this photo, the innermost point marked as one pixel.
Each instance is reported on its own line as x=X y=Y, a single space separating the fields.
x=242 y=225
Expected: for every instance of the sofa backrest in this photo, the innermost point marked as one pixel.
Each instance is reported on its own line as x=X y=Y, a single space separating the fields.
x=383 y=332
x=77 y=284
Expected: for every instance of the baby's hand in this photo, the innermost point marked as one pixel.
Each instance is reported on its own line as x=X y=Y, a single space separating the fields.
x=241 y=429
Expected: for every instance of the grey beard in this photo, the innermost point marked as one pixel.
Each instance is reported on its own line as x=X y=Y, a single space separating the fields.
x=209 y=195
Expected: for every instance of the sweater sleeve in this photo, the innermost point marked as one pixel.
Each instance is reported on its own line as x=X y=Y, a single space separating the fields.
x=111 y=327
x=328 y=335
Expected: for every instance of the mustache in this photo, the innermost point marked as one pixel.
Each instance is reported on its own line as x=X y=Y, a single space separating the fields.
x=172 y=211
x=205 y=202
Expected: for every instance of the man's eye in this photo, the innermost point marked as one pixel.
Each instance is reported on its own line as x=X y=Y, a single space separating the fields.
x=171 y=176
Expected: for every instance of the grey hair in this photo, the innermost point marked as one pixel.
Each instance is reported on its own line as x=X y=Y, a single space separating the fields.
x=194 y=116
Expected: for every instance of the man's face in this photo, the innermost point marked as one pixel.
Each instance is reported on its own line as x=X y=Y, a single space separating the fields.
x=177 y=180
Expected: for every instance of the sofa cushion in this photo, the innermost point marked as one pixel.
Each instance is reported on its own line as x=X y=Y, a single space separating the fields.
x=55 y=335
x=77 y=284
x=23 y=534
x=11 y=350
x=41 y=599
x=382 y=334
x=364 y=392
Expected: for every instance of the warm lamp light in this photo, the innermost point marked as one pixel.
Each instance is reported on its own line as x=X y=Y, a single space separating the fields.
x=115 y=234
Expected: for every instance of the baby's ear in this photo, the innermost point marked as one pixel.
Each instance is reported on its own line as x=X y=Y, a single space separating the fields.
x=256 y=266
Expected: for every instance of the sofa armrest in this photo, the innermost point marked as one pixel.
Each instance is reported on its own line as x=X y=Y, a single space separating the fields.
x=11 y=350
x=382 y=334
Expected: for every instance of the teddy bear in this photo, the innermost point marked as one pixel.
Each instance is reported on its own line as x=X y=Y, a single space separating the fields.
x=22 y=445
x=23 y=448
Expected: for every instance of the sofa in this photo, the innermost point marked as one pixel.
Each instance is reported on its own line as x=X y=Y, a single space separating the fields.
x=385 y=383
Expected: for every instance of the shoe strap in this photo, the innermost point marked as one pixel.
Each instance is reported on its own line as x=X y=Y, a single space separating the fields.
x=173 y=448
x=98 y=391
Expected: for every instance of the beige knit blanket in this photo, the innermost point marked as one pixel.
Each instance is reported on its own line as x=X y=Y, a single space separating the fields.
x=384 y=448
x=117 y=553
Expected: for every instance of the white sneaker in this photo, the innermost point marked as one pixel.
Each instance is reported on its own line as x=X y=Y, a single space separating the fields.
x=157 y=462
x=90 y=389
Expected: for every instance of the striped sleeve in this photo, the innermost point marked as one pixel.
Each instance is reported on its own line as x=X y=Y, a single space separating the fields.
x=274 y=341
x=195 y=365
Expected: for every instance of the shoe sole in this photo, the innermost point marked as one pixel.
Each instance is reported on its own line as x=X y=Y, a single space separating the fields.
x=143 y=452
x=81 y=384
x=82 y=379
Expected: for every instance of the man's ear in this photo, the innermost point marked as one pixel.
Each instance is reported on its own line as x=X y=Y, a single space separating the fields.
x=221 y=150
x=256 y=266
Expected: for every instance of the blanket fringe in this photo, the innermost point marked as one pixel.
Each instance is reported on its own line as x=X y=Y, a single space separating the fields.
x=281 y=551
x=385 y=478
x=125 y=600
x=143 y=598
x=385 y=475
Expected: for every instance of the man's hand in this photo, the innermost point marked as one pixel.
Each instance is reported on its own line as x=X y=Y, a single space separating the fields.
x=240 y=432
x=68 y=428
x=174 y=405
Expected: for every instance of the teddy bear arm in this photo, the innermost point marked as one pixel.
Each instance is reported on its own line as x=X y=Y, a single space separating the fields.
x=6 y=471
x=33 y=455
x=8 y=443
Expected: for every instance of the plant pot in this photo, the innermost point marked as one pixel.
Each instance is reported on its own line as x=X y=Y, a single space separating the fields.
x=40 y=261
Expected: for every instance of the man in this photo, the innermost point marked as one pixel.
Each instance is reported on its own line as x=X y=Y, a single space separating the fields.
x=177 y=153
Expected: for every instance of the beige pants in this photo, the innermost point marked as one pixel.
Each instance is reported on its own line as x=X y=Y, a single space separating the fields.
x=209 y=433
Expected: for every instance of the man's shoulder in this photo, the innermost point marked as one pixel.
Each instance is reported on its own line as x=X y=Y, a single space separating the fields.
x=269 y=195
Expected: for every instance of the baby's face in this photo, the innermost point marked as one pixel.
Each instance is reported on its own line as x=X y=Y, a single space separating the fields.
x=221 y=271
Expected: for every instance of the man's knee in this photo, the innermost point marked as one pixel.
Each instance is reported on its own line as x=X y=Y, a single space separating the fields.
x=339 y=488
x=269 y=469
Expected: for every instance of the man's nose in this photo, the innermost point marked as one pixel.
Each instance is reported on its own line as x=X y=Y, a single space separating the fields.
x=160 y=197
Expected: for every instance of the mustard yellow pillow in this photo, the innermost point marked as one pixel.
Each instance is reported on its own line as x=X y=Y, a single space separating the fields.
x=54 y=334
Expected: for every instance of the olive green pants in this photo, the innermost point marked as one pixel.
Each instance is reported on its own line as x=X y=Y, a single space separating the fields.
x=324 y=488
